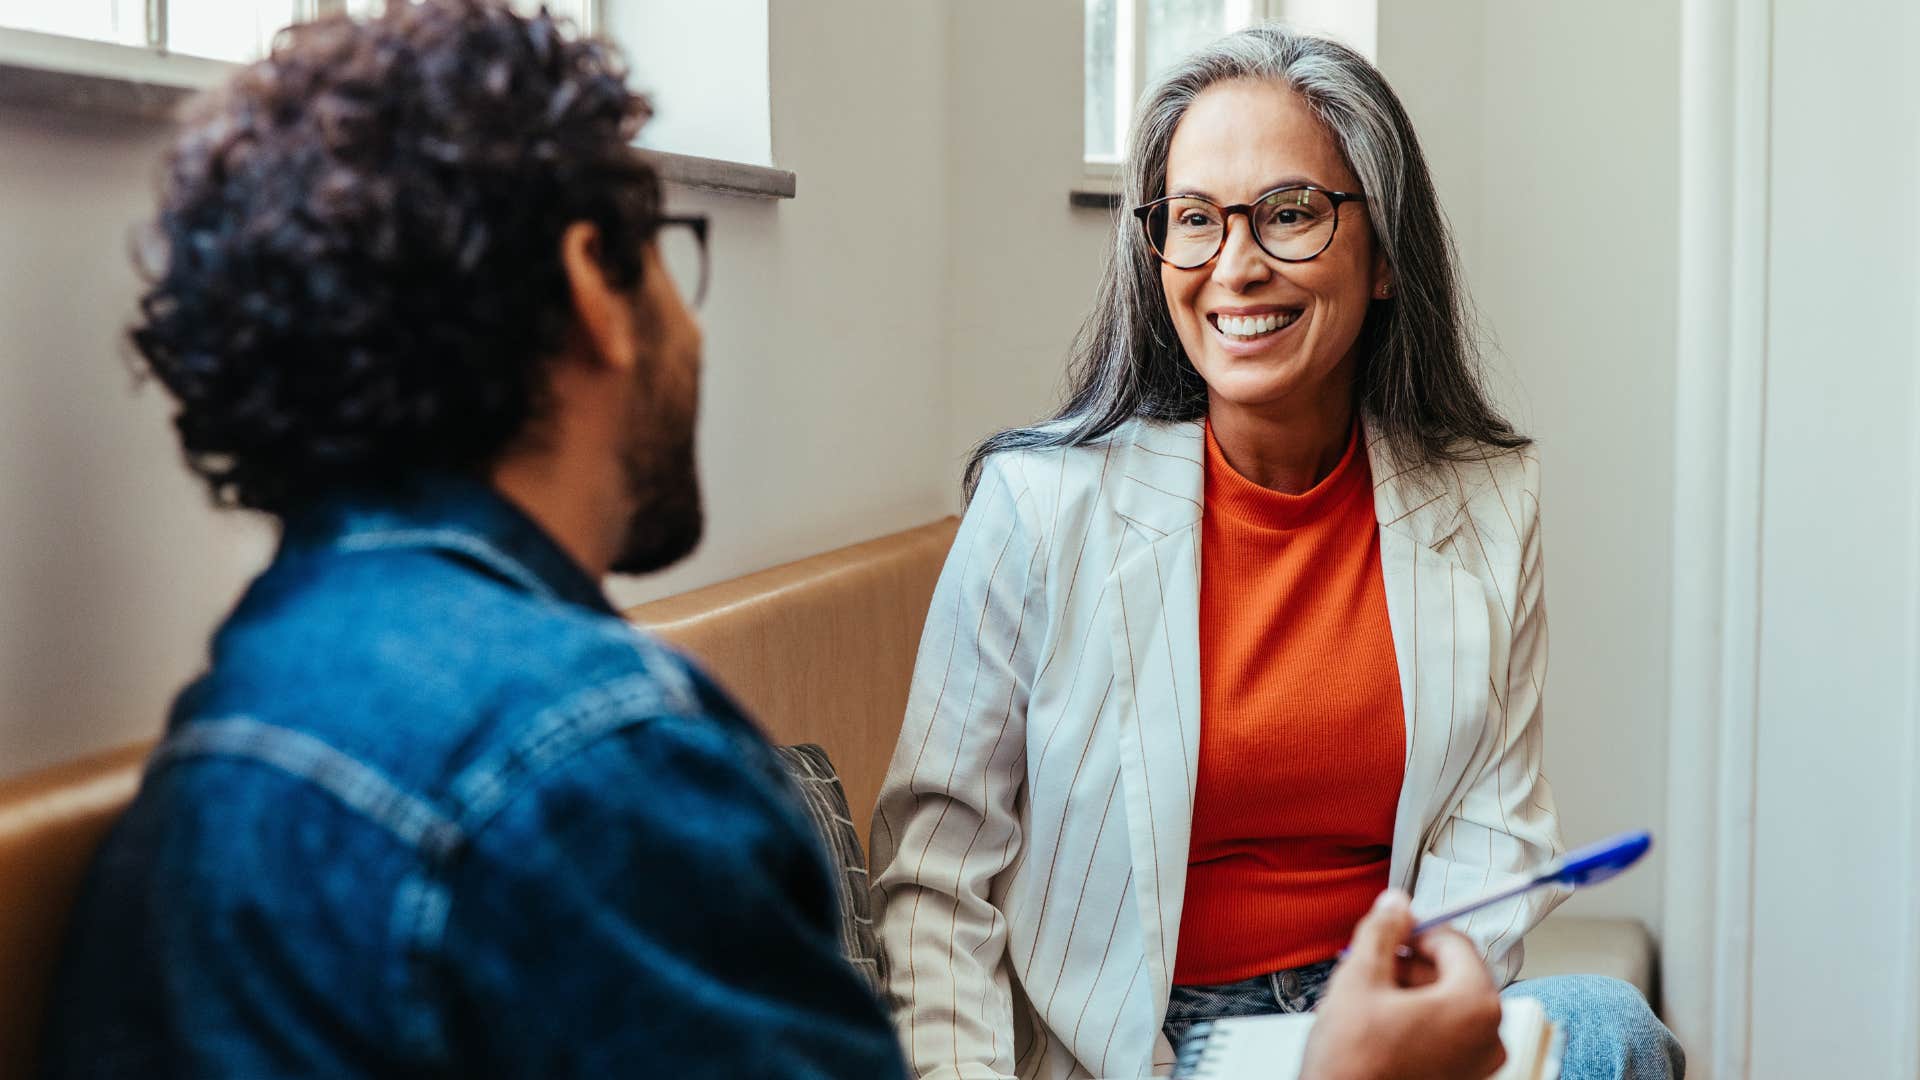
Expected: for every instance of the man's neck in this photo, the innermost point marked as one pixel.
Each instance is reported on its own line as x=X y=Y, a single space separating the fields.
x=570 y=501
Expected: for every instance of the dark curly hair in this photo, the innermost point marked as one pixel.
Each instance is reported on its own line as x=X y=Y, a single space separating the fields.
x=355 y=271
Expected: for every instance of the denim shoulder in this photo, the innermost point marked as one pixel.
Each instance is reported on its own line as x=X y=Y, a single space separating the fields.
x=657 y=867
x=656 y=697
x=256 y=821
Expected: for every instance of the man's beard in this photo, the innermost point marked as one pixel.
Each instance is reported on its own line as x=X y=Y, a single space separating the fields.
x=667 y=519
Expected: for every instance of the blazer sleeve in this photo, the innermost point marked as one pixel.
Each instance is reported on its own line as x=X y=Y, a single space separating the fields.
x=946 y=824
x=1505 y=825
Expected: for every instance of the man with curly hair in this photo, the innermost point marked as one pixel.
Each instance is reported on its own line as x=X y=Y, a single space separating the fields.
x=435 y=809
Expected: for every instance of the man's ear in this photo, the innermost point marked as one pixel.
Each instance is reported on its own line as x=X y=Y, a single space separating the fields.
x=603 y=311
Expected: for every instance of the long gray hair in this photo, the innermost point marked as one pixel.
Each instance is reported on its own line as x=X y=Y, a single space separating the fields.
x=1417 y=377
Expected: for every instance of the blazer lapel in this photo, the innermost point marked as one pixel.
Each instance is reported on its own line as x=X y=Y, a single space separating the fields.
x=1154 y=619
x=1439 y=617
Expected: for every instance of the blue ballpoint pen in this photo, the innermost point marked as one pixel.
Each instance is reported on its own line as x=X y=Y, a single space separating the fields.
x=1577 y=869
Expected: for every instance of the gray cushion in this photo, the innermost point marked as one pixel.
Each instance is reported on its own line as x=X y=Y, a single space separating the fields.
x=1575 y=945
x=826 y=803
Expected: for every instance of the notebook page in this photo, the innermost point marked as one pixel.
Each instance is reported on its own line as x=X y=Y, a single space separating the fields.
x=1266 y=1047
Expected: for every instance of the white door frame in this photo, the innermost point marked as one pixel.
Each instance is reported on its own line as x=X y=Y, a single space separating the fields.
x=1726 y=59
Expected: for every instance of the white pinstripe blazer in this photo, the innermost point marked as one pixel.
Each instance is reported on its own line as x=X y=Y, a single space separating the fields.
x=1030 y=842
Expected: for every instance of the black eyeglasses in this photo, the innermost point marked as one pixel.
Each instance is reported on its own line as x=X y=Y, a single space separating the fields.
x=682 y=242
x=1292 y=224
x=681 y=239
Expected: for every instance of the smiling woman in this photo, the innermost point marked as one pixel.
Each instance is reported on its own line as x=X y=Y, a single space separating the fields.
x=1252 y=630
x=1416 y=372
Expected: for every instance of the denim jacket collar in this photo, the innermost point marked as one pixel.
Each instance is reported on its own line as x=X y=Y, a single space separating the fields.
x=460 y=516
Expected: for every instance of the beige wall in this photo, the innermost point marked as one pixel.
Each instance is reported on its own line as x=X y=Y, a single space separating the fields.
x=1023 y=263
x=1553 y=130
x=111 y=567
x=823 y=417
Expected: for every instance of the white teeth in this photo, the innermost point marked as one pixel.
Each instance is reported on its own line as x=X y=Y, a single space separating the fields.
x=1251 y=326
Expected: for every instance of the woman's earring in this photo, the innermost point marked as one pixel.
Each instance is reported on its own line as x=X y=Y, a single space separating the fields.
x=1384 y=291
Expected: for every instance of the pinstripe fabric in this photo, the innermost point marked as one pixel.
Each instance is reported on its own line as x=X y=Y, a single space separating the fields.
x=1030 y=842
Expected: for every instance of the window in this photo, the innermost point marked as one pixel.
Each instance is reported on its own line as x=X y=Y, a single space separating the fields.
x=1129 y=43
x=705 y=63
x=231 y=30
x=706 y=66
x=122 y=22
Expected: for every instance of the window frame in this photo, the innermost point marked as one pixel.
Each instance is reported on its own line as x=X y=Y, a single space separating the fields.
x=154 y=65
x=1105 y=175
x=1098 y=182
x=57 y=73
x=307 y=11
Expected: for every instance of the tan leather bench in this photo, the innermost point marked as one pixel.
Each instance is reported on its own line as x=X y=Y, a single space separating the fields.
x=819 y=650
x=50 y=824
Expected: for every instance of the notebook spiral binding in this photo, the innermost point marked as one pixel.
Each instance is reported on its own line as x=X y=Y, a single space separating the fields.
x=1192 y=1060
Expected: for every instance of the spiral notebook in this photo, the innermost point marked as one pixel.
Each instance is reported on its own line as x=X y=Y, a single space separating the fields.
x=1250 y=1047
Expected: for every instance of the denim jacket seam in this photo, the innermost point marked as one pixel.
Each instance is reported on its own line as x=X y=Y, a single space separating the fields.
x=485 y=787
x=358 y=786
x=419 y=921
x=458 y=540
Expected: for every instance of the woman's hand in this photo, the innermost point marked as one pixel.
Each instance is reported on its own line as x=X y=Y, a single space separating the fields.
x=1433 y=1016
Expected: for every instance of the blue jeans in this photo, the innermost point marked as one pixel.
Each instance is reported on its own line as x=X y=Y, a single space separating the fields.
x=1611 y=1033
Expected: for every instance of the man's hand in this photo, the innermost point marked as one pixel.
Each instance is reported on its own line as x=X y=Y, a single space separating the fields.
x=1435 y=1016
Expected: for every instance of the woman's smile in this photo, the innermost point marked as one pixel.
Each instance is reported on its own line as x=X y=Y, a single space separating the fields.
x=1254 y=331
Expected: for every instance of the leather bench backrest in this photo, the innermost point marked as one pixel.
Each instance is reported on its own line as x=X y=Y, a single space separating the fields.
x=820 y=650
x=50 y=824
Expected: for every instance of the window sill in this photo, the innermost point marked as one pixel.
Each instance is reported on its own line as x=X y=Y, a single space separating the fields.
x=1083 y=199
x=726 y=177
x=48 y=71
x=1098 y=187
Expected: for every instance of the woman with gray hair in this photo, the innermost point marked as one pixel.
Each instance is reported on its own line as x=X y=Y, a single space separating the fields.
x=1250 y=632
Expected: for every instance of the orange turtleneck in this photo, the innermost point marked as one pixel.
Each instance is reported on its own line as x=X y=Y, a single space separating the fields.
x=1302 y=735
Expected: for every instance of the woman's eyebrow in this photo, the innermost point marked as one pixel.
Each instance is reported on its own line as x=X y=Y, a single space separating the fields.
x=1291 y=181
x=1266 y=189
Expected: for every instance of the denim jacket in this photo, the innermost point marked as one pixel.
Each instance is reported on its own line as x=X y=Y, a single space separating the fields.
x=435 y=809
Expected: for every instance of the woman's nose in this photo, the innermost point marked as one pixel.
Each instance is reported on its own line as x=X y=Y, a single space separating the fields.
x=1241 y=264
